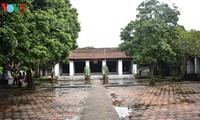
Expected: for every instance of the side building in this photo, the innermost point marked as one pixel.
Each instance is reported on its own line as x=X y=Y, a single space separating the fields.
x=120 y=65
x=193 y=68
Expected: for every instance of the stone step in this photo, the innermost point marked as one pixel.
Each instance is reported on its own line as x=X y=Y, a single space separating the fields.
x=96 y=77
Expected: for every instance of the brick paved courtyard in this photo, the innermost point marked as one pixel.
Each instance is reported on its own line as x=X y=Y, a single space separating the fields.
x=47 y=104
x=165 y=102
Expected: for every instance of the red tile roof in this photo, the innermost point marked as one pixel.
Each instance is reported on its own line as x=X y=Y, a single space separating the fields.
x=97 y=53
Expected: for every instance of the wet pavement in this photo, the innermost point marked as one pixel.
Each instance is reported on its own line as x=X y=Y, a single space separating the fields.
x=99 y=106
x=165 y=102
x=42 y=104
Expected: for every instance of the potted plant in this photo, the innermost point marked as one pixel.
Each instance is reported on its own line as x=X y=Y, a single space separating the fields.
x=87 y=74
x=1 y=70
x=105 y=73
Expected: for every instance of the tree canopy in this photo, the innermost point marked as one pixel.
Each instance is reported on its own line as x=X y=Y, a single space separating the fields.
x=47 y=30
x=44 y=34
x=187 y=45
x=148 y=37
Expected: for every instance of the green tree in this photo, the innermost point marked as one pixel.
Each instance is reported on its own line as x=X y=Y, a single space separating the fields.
x=19 y=48
x=44 y=34
x=188 y=45
x=14 y=29
x=148 y=37
x=58 y=22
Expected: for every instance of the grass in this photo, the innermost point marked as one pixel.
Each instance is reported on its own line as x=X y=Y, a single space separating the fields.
x=138 y=106
x=187 y=100
x=180 y=91
x=186 y=92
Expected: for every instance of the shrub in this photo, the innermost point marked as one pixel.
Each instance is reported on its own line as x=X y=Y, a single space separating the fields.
x=105 y=70
x=1 y=70
x=87 y=71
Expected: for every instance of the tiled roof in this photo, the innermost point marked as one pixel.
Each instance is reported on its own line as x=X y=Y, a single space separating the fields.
x=96 y=53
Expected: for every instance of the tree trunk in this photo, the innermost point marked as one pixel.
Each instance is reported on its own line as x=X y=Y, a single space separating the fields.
x=151 y=68
x=183 y=67
x=162 y=70
x=37 y=70
x=52 y=71
x=29 y=79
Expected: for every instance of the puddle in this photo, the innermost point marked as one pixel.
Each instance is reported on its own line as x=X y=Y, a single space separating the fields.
x=122 y=112
x=75 y=118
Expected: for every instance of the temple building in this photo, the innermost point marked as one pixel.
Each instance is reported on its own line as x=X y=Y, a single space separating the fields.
x=118 y=63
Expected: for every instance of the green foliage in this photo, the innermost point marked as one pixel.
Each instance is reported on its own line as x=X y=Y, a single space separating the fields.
x=188 y=43
x=87 y=71
x=24 y=68
x=59 y=28
x=105 y=70
x=42 y=34
x=1 y=70
x=148 y=37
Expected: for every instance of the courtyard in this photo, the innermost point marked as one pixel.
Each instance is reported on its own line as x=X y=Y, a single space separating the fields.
x=166 y=101
x=42 y=104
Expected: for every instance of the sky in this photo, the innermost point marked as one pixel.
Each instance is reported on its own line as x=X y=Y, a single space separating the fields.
x=101 y=20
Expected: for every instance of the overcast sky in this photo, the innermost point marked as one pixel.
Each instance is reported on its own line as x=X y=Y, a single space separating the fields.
x=101 y=20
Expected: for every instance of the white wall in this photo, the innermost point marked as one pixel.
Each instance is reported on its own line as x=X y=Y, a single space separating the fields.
x=57 y=69
x=103 y=62
x=120 y=67
x=134 y=68
x=71 y=68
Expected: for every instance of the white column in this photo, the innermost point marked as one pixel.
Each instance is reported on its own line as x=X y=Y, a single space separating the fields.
x=57 y=69
x=71 y=68
x=195 y=65
x=134 y=68
x=103 y=62
x=120 y=71
x=87 y=63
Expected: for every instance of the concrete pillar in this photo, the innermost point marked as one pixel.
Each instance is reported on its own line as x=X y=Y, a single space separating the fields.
x=87 y=63
x=71 y=68
x=103 y=62
x=134 y=68
x=57 y=69
x=120 y=70
x=195 y=65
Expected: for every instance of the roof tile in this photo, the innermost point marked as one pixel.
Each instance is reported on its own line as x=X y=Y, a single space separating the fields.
x=97 y=53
